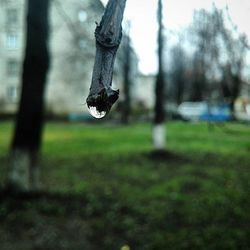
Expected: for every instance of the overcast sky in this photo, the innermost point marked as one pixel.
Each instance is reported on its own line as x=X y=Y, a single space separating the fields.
x=177 y=14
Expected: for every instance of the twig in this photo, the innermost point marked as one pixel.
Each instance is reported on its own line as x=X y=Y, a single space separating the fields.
x=108 y=36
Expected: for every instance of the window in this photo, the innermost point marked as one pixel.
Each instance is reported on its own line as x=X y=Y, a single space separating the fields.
x=82 y=16
x=12 y=93
x=11 y=16
x=12 y=68
x=11 y=41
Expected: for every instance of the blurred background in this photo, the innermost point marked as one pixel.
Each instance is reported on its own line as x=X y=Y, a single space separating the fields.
x=205 y=50
x=121 y=182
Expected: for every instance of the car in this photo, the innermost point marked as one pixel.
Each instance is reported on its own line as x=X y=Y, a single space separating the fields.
x=204 y=111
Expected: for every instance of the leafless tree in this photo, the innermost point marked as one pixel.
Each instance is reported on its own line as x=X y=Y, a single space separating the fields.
x=25 y=147
x=127 y=79
x=219 y=57
x=159 y=110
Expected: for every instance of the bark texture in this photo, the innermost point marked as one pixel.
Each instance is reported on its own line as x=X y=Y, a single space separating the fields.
x=28 y=130
x=108 y=36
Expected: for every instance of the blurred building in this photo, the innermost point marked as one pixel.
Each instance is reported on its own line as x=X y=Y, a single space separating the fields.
x=145 y=90
x=72 y=48
x=72 y=52
x=11 y=52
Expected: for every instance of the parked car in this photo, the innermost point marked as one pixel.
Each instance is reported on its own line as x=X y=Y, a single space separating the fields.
x=191 y=110
x=204 y=111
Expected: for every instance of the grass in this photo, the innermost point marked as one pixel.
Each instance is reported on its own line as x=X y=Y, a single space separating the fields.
x=104 y=189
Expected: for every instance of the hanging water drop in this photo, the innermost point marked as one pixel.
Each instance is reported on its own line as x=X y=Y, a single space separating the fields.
x=95 y=113
x=100 y=103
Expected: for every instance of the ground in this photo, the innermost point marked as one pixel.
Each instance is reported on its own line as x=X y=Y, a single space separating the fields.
x=103 y=188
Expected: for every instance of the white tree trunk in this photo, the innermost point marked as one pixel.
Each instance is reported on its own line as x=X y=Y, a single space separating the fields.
x=159 y=136
x=23 y=171
x=18 y=177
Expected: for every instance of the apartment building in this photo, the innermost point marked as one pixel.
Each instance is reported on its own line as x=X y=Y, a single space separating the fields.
x=72 y=49
x=11 y=52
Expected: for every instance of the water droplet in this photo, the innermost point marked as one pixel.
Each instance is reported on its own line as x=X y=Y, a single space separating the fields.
x=95 y=113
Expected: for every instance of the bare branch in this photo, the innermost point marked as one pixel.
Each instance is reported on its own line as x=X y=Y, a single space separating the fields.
x=108 y=36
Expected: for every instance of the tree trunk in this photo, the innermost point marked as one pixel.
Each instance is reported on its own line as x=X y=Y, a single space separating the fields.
x=159 y=119
x=127 y=82
x=24 y=153
x=236 y=79
x=230 y=85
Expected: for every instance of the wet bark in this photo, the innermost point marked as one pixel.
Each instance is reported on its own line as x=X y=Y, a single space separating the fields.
x=26 y=141
x=108 y=37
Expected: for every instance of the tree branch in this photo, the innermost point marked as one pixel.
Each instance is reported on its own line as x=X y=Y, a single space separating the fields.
x=108 y=36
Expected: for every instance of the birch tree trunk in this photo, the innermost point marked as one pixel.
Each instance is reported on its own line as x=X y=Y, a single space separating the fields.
x=159 y=132
x=24 y=152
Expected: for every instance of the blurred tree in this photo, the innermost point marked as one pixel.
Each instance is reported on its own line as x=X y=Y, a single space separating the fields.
x=159 y=116
x=218 y=60
x=199 y=80
x=127 y=81
x=232 y=71
x=23 y=161
x=178 y=72
x=201 y=37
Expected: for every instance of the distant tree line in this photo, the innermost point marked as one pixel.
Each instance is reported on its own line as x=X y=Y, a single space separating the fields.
x=208 y=64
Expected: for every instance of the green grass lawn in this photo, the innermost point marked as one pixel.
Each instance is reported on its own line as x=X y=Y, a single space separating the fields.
x=104 y=189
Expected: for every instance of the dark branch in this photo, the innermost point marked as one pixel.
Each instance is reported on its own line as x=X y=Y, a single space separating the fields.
x=108 y=37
